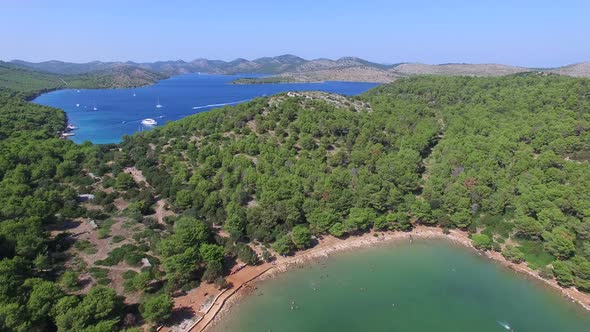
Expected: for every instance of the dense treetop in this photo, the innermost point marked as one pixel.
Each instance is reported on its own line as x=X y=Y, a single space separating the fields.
x=503 y=158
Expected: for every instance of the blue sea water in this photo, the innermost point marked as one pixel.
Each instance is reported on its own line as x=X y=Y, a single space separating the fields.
x=119 y=112
x=429 y=286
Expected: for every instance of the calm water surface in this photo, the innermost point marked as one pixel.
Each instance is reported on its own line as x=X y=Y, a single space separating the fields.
x=425 y=287
x=119 y=112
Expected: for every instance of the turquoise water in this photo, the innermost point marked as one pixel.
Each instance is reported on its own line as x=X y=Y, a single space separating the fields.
x=119 y=112
x=424 y=287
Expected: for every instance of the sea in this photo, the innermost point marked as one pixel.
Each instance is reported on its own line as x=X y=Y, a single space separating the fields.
x=106 y=115
x=428 y=286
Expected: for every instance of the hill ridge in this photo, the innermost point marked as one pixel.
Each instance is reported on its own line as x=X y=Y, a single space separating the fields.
x=289 y=67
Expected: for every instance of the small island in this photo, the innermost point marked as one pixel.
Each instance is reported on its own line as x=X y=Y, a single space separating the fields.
x=266 y=80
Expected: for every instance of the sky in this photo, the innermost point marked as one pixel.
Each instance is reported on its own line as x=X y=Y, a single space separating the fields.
x=518 y=32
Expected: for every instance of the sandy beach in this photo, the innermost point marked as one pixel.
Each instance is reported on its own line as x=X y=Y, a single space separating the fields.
x=241 y=280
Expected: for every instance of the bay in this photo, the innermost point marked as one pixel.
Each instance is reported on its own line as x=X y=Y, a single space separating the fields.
x=424 y=287
x=120 y=111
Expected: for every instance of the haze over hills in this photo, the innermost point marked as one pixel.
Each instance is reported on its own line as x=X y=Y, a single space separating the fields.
x=266 y=65
x=458 y=69
x=575 y=70
x=31 y=79
x=296 y=69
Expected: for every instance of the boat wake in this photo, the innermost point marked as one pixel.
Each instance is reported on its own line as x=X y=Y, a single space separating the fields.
x=222 y=104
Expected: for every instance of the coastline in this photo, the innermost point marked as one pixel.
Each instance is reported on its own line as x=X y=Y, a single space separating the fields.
x=243 y=279
x=242 y=81
x=31 y=96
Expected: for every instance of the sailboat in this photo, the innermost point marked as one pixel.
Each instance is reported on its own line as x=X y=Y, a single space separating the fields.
x=159 y=105
x=94 y=108
x=134 y=93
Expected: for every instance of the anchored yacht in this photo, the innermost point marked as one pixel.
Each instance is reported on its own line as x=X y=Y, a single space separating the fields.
x=149 y=122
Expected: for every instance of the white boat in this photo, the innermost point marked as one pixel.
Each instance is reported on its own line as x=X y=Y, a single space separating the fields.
x=78 y=91
x=71 y=127
x=77 y=105
x=159 y=105
x=134 y=94
x=149 y=122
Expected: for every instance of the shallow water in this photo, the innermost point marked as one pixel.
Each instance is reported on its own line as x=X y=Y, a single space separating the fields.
x=427 y=286
x=119 y=112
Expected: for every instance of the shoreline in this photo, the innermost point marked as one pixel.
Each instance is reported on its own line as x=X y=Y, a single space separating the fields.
x=328 y=245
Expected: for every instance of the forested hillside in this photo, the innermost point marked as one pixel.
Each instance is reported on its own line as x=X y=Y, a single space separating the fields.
x=28 y=82
x=503 y=158
x=508 y=163
x=42 y=283
x=39 y=177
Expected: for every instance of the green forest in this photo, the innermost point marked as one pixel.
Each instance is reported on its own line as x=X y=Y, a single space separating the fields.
x=505 y=159
x=29 y=83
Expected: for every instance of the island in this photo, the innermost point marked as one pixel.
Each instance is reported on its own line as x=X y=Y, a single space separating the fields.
x=109 y=237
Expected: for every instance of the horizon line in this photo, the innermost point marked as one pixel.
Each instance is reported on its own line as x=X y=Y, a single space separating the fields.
x=306 y=59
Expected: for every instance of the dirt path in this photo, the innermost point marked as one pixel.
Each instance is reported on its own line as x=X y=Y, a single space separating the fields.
x=120 y=268
x=137 y=175
x=329 y=245
x=161 y=211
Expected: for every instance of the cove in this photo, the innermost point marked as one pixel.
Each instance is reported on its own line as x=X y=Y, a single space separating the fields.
x=430 y=285
x=120 y=111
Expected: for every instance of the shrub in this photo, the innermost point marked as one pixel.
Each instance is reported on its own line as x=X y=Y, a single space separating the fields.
x=129 y=274
x=546 y=272
x=124 y=181
x=98 y=273
x=117 y=238
x=482 y=241
x=513 y=254
x=86 y=247
x=337 y=230
x=69 y=280
x=246 y=254
x=157 y=309
x=563 y=274
x=301 y=236
x=129 y=253
x=284 y=245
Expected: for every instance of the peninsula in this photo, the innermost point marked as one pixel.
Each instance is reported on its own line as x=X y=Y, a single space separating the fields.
x=497 y=163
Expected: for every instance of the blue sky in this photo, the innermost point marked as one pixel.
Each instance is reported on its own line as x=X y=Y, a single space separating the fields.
x=528 y=33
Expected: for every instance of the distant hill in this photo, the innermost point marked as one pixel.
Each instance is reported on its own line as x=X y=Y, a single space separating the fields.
x=289 y=68
x=124 y=76
x=266 y=65
x=67 y=68
x=350 y=74
x=22 y=79
x=453 y=69
x=575 y=70
x=16 y=76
